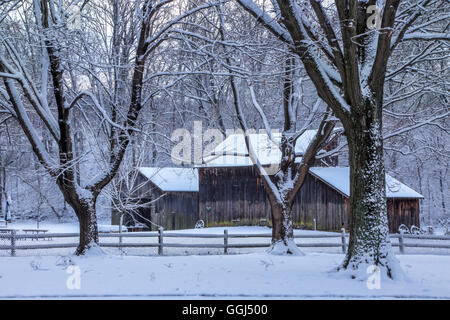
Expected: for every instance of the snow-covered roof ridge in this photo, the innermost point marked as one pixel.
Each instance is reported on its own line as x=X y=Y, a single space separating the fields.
x=171 y=179
x=339 y=179
x=233 y=150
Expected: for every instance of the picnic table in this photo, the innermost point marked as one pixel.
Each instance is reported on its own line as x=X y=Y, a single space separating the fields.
x=3 y=230
x=9 y=230
x=35 y=231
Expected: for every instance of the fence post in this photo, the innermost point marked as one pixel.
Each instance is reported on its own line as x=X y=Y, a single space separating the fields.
x=225 y=241
x=344 y=244
x=401 y=242
x=13 y=243
x=160 y=240
x=120 y=231
x=315 y=224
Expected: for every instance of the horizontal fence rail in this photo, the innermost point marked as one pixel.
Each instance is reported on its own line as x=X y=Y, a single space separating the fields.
x=12 y=237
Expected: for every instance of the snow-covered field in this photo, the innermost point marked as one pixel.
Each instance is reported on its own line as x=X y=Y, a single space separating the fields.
x=255 y=275
x=208 y=273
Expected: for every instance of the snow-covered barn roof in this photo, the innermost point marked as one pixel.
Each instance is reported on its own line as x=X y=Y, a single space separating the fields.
x=172 y=179
x=233 y=151
x=339 y=179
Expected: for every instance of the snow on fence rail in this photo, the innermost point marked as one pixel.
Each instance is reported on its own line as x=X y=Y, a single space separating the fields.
x=12 y=237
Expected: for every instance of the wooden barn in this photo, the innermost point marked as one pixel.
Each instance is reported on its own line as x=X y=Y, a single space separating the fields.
x=231 y=193
x=170 y=198
x=227 y=191
x=236 y=196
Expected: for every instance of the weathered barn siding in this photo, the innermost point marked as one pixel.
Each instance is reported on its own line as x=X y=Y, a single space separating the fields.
x=236 y=196
x=316 y=200
x=230 y=196
x=227 y=195
x=173 y=211
x=403 y=211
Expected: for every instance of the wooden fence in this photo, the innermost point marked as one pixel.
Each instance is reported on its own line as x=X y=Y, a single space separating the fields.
x=12 y=237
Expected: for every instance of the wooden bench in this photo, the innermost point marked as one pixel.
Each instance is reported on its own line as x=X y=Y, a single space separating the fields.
x=36 y=231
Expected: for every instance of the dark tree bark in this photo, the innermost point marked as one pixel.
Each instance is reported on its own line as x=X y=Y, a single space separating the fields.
x=369 y=233
x=1 y=186
x=87 y=218
x=282 y=225
x=441 y=187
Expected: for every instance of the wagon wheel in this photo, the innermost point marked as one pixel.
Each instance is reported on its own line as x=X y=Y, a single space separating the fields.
x=415 y=230
x=200 y=224
x=403 y=228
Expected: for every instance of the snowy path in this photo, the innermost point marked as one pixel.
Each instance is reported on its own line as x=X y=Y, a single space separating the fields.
x=243 y=276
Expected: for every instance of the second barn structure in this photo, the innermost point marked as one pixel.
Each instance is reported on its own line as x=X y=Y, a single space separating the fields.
x=168 y=198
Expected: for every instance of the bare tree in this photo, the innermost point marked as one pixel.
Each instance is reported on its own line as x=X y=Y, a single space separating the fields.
x=290 y=174
x=152 y=22
x=347 y=61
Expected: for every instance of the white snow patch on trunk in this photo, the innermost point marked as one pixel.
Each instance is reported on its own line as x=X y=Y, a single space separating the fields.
x=281 y=248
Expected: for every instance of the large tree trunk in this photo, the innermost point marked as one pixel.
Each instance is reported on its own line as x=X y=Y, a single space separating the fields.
x=3 y=193
x=441 y=187
x=1 y=190
x=369 y=234
x=282 y=228
x=85 y=211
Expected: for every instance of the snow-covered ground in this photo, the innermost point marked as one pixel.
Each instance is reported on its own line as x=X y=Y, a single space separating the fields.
x=208 y=273
x=255 y=275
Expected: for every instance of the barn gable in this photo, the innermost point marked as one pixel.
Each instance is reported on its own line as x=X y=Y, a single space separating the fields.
x=172 y=179
x=232 y=152
x=339 y=179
